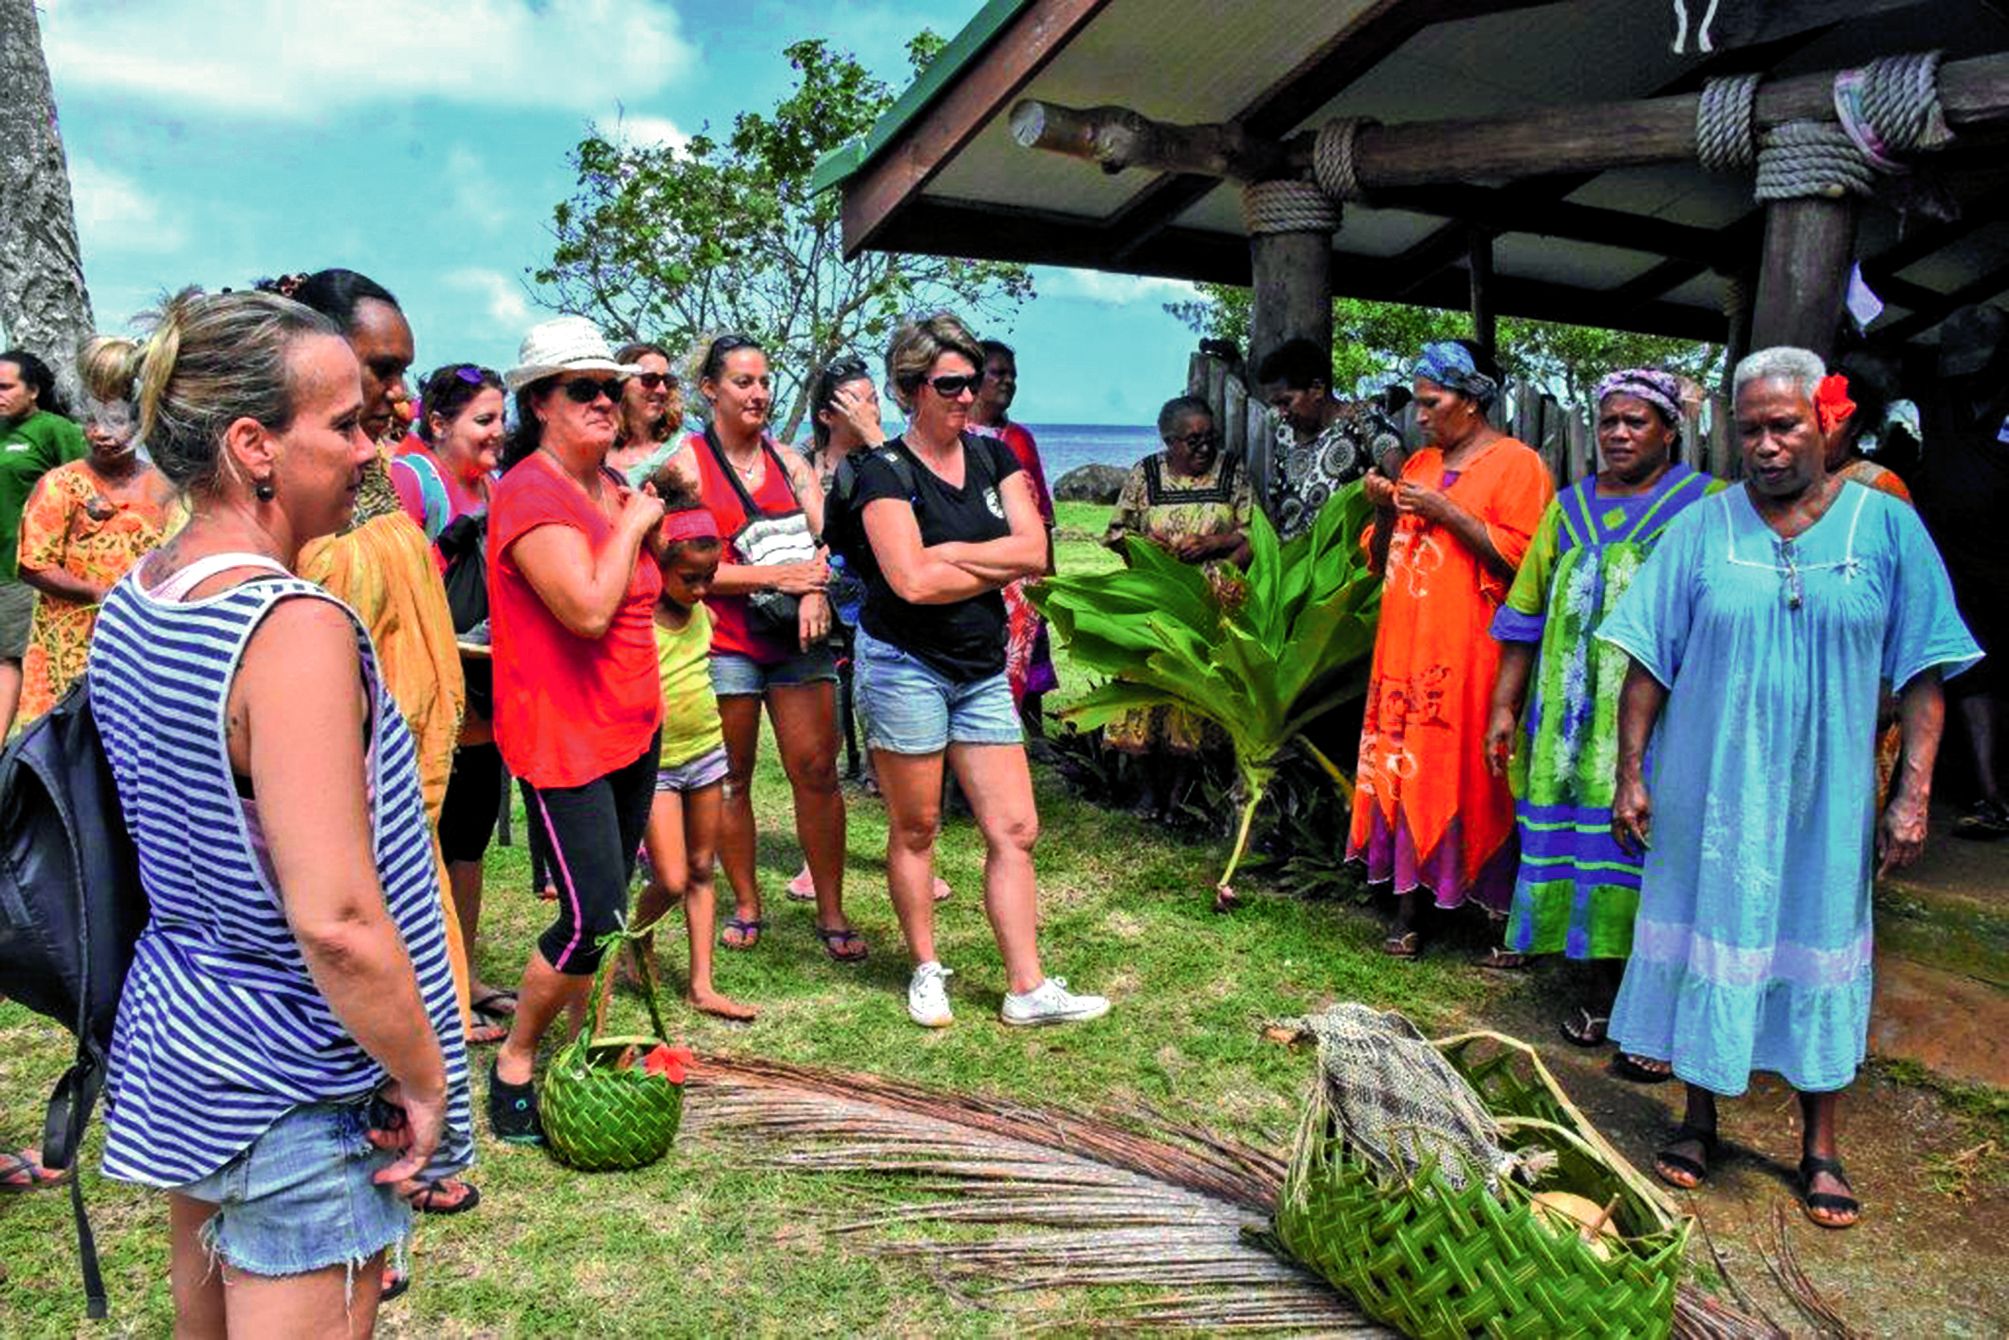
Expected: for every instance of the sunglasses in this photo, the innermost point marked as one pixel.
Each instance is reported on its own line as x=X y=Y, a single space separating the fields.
x=652 y=381
x=948 y=388
x=1198 y=441
x=585 y=390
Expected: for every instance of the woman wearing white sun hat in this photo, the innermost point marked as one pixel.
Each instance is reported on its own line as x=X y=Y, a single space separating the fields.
x=578 y=705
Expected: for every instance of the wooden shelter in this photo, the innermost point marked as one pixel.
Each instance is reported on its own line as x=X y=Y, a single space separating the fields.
x=1511 y=157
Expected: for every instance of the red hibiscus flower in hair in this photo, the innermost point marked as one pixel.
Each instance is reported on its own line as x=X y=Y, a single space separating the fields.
x=1832 y=405
x=672 y=1063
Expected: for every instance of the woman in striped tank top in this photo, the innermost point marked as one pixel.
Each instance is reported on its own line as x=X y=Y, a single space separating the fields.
x=288 y=1044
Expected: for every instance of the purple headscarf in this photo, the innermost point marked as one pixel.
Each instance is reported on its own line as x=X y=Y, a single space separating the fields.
x=1662 y=390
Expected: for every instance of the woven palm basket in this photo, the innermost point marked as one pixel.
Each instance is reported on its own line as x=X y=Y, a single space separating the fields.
x=599 y=1115
x=1435 y=1261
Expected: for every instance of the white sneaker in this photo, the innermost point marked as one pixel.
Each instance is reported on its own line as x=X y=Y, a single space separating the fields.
x=1052 y=1003
x=928 y=996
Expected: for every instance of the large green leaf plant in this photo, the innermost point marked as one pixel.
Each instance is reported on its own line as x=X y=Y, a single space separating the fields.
x=1261 y=654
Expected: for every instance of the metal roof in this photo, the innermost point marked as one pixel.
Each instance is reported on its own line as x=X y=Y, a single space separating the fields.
x=1643 y=247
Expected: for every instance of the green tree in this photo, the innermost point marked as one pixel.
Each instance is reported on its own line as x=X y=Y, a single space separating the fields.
x=722 y=233
x=1373 y=340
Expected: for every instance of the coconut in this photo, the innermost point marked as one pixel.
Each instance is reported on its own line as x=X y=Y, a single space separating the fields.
x=1566 y=1212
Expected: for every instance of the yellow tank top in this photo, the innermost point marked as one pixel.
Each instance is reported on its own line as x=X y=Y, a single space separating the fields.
x=690 y=710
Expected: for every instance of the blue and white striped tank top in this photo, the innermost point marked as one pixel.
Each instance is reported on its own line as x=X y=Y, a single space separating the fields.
x=221 y=1030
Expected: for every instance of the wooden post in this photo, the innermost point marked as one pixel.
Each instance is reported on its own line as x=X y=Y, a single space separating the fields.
x=1481 y=261
x=1293 y=292
x=1809 y=247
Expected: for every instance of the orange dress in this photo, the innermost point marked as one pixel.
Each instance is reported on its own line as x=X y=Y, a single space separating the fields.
x=72 y=525
x=1889 y=740
x=1426 y=812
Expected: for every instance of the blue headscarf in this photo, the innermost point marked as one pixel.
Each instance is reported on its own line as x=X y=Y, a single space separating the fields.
x=1450 y=365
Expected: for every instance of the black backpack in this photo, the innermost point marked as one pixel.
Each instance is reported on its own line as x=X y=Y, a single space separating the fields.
x=464 y=544
x=844 y=520
x=71 y=909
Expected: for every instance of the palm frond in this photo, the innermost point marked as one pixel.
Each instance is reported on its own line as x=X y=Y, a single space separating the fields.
x=1072 y=1200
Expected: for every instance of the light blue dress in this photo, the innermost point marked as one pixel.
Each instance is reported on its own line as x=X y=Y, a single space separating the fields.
x=1752 y=947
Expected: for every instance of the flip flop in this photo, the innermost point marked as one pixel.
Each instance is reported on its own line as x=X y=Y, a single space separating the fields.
x=749 y=929
x=1502 y=960
x=1586 y=1029
x=489 y=1005
x=433 y=1197
x=1630 y=1067
x=1832 y=1202
x=1402 y=944
x=486 y=1034
x=27 y=1165
x=396 y=1282
x=848 y=935
x=1681 y=1163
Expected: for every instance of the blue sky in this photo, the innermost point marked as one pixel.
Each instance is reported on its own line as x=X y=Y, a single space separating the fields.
x=424 y=143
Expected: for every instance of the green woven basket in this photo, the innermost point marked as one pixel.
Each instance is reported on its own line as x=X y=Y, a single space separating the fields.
x=601 y=1116
x=1435 y=1261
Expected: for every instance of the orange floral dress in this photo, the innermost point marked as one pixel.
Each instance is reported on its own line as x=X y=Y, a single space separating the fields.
x=1426 y=812
x=72 y=525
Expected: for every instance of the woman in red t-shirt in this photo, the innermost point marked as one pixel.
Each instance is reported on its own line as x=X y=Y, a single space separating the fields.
x=769 y=506
x=578 y=704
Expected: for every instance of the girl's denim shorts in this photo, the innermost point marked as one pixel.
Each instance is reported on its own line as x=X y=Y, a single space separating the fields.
x=300 y=1198
x=909 y=707
x=707 y=769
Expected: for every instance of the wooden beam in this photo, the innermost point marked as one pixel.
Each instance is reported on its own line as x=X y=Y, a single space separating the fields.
x=1582 y=137
x=897 y=175
x=1373 y=35
x=1980 y=289
x=1655 y=280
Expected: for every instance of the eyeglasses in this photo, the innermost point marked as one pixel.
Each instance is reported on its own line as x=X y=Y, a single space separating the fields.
x=654 y=380
x=585 y=390
x=948 y=388
x=1198 y=441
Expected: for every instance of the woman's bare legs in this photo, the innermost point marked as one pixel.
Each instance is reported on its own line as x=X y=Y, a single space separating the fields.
x=805 y=728
x=195 y=1281
x=213 y=1300
x=911 y=785
x=739 y=714
x=999 y=786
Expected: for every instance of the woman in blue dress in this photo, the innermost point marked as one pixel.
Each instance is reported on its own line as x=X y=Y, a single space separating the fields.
x=1759 y=631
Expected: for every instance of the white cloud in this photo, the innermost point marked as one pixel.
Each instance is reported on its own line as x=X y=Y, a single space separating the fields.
x=114 y=214
x=506 y=306
x=646 y=132
x=474 y=192
x=1113 y=290
x=285 y=59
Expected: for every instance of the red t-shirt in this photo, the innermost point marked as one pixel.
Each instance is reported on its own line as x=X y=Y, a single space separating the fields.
x=729 y=629
x=568 y=709
x=1019 y=438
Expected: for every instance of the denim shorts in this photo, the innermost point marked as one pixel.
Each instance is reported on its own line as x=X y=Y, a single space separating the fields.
x=909 y=707
x=301 y=1199
x=707 y=769
x=736 y=674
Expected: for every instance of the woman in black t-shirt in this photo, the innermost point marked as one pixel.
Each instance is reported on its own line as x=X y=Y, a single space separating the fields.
x=949 y=519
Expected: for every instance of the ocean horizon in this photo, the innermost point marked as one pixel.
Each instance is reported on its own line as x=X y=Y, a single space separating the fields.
x=1067 y=446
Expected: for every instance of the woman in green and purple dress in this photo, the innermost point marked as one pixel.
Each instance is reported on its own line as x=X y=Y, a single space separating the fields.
x=1576 y=893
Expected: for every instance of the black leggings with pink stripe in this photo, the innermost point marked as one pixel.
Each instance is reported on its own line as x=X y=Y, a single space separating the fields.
x=593 y=832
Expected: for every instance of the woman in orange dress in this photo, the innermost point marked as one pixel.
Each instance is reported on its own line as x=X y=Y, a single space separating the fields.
x=84 y=527
x=1428 y=816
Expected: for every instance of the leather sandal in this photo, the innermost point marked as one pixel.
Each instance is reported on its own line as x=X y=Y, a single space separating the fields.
x=1681 y=1163
x=1828 y=1201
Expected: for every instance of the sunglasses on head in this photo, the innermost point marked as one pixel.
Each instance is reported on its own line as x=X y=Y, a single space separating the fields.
x=585 y=390
x=948 y=388
x=652 y=381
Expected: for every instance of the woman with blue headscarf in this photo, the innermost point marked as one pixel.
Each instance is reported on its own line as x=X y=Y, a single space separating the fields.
x=1429 y=817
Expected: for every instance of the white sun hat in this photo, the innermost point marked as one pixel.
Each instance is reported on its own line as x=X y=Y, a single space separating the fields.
x=563 y=344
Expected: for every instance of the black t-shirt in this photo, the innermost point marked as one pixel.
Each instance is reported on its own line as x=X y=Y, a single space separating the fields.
x=964 y=640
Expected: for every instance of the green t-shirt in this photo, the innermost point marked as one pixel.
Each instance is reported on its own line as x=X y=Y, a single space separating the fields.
x=29 y=450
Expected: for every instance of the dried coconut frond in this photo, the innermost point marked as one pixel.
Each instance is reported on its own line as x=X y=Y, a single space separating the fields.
x=1075 y=1200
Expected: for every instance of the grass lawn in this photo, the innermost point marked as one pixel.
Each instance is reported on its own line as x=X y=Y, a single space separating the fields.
x=697 y=1245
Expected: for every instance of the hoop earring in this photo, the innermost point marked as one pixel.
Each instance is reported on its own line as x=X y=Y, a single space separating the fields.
x=263 y=490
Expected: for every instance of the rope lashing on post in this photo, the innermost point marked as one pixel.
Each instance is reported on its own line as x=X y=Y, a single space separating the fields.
x=1891 y=107
x=1801 y=160
x=1332 y=159
x=1287 y=206
x=1726 y=123
x=1888 y=108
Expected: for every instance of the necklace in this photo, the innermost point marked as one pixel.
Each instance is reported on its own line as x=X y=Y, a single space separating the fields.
x=751 y=468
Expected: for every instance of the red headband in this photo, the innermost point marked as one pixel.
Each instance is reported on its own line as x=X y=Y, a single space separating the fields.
x=1832 y=406
x=690 y=523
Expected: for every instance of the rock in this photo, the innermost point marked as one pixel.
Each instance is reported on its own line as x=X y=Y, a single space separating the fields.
x=1091 y=484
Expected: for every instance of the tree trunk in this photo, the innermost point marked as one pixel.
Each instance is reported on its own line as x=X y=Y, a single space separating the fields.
x=44 y=306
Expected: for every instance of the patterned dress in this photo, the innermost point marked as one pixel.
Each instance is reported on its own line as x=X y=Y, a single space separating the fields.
x=1310 y=472
x=1158 y=504
x=1426 y=813
x=1577 y=892
x=72 y=525
x=1752 y=949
